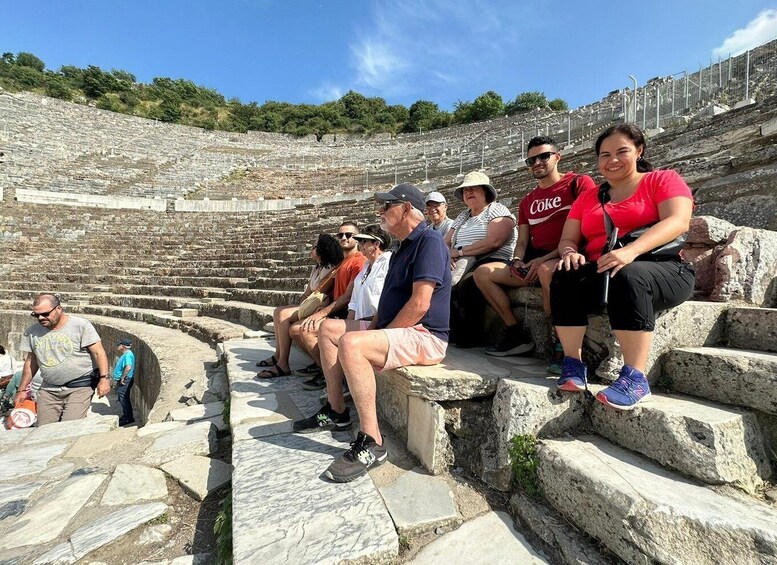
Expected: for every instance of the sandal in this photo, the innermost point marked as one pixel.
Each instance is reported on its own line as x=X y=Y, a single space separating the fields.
x=270 y=374
x=267 y=362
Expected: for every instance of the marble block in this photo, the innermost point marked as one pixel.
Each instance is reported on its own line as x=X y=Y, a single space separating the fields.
x=134 y=483
x=198 y=475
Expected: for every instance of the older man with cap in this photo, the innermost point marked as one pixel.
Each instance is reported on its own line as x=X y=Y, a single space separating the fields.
x=410 y=328
x=123 y=374
x=71 y=359
x=437 y=213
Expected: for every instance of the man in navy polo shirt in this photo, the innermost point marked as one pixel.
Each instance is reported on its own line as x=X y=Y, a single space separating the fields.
x=410 y=328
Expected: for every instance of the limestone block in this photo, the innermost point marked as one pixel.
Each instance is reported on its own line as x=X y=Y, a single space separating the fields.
x=392 y=404
x=715 y=444
x=744 y=199
x=490 y=538
x=417 y=501
x=102 y=532
x=195 y=439
x=155 y=534
x=709 y=230
x=530 y=406
x=186 y=312
x=461 y=375
x=22 y=461
x=308 y=526
x=769 y=128
x=52 y=513
x=568 y=546
x=93 y=444
x=746 y=268
x=196 y=412
x=198 y=475
x=644 y=513
x=752 y=328
x=161 y=427
x=134 y=483
x=211 y=299
x=730 y=376
x=73 y=428
x=426 y=435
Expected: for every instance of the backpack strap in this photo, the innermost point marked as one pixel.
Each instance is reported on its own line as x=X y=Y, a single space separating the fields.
x=573 y=187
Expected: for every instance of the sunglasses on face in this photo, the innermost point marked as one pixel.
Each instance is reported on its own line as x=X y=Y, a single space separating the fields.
x=346 y=235
x=542 y=157
x=388 y=204
x=43 y=314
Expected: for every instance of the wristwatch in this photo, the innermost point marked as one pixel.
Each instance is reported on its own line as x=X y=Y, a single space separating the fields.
x=459 y=248
x=104 y=377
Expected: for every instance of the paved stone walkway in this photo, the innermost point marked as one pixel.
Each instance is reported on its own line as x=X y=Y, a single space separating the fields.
x=71 y=488
x=286 y=511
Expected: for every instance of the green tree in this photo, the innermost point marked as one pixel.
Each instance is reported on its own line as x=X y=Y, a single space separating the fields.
x=57 y=87
x=30 y=60
x=558 y=104
x=422 y=114
x=527 y=101
x=95 y=82
x=356 y=105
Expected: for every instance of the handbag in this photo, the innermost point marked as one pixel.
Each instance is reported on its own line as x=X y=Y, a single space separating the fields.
x=317 y=299
x=670 y=251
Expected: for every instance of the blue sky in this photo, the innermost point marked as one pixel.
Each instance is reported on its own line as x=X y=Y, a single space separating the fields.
x=401 y=50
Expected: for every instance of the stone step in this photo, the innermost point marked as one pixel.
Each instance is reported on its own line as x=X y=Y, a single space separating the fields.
x=731 y=376
x=712 y=443
x=752 y=328
x=644 y=513
x=266 y=297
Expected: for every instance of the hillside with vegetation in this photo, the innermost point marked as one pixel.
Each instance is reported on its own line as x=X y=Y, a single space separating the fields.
x=181 y=101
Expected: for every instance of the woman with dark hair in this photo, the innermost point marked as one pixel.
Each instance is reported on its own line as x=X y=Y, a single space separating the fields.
x=641 y=280
x=327 y=254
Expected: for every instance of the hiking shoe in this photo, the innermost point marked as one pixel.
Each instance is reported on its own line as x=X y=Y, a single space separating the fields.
x=364 y=454
x=630 y=387
x=309 y=371
x=556 y=358
x=514 y=342
x=573 y=375
x=324 y=419
x=316 y=383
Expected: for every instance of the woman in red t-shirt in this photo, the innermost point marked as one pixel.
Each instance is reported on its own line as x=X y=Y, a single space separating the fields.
x=638 y=287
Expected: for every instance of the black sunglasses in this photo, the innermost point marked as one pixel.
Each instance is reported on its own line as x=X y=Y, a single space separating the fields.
x=542 y=157
x=389 y=203
x=346 y=235
x=43 y=314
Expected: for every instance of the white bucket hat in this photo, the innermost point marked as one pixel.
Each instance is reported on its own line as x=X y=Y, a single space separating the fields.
x=475 y=178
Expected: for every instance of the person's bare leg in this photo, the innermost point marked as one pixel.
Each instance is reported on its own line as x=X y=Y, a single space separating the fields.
x=286 y=316
x=309 y=342
x=358 y=353
x=295 y=333
x=571 y=338
x=490 y=279
x=545 y=275
x=329 y=335
x=635 y=347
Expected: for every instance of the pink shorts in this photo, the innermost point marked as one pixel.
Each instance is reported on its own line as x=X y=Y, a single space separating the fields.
x=413 y=346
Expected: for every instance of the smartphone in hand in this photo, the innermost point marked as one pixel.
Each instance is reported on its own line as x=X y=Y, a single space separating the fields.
x=519 y=272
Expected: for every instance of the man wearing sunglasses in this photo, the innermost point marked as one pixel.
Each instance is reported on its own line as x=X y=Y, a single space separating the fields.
x=70 y=356
x=410 y=328
x=541 y=217
x=305 y=332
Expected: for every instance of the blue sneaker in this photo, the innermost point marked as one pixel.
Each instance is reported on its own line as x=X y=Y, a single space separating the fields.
x=573 y=375
x=630 y=387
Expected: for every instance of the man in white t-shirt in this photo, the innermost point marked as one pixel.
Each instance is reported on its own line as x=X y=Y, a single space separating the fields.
x=70 y=356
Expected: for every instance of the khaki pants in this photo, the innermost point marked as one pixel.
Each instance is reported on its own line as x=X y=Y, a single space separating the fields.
x=63 y=404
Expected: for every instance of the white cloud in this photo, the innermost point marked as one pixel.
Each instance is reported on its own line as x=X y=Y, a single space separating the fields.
x=758 y=31
x=327 y=92
x=411 y=47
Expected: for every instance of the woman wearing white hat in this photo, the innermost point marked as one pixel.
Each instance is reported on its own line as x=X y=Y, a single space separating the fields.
x=484 y=232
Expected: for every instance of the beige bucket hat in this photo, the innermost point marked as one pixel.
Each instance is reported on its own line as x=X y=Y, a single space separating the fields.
x=476 y=178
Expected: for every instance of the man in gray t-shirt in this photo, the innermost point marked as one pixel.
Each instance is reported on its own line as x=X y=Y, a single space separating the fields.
x=66 y=349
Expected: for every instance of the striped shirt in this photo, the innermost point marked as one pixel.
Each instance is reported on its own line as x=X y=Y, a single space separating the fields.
x=471 y=229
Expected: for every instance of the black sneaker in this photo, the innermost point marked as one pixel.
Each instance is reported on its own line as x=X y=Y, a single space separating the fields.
x=364 y=454
x=309 y=371
x=316 y=383
x=514 y=342
x=324 y=419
